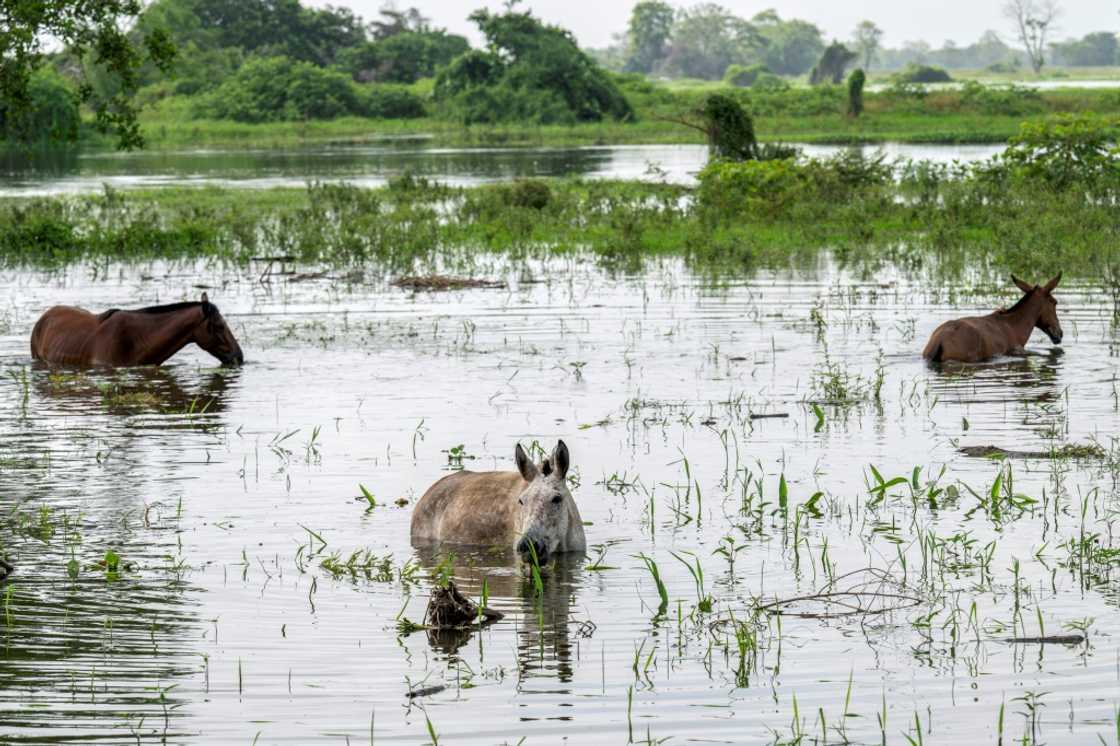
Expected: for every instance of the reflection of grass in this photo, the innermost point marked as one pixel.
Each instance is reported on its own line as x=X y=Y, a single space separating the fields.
x=114 y=398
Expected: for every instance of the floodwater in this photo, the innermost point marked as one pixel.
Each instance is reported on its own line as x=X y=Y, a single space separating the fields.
x=374 y=164
x=224 y=498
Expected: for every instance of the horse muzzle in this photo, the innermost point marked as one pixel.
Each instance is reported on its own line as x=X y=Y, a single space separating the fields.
x=527 y=547
x=1055 y=337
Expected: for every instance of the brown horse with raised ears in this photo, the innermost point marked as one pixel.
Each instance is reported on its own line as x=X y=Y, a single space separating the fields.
x=1003 y=332
x=65 y=335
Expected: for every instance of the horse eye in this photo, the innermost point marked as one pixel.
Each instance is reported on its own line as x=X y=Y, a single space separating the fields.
x=556 y=499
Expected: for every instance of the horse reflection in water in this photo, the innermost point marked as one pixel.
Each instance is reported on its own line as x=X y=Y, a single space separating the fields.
x=148 y=389
x=545 y=645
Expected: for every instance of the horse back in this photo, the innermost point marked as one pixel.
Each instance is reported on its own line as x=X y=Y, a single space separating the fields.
x=467 y=507
x=62 y=335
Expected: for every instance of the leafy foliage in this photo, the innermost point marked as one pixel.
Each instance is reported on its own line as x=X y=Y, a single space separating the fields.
x=277 y=89
x=402 y=58
x=647 y=38
x=833 y=63
x=856 y=82
x=52 y=116
x=923 y=74
x=92 y=29
x=528 y=72
x=744 y=76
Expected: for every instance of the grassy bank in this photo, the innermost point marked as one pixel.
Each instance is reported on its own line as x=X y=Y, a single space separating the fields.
x=742 y=217
x=797 y=115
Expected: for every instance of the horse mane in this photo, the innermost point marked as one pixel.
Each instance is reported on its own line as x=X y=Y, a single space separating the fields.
x=1021 y=302
x=208 y=309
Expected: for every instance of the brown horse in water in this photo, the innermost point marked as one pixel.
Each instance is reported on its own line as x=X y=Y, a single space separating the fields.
x=1003 y=332
x=65 y=335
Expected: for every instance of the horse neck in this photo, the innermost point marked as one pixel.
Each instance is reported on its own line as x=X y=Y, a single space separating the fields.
x=1022 y=320
x=161 y=335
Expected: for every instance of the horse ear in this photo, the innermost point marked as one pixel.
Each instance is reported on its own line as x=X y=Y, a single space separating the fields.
x=525 y=465
x=1049 y=287
x=1026 y=287
x=560 y=459
x=205 y=298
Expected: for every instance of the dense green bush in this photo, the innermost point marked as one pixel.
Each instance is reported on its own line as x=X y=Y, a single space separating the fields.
x=401 y=58
x=1011 y=100
x=529 y=72
x=391 y=102
x=52 y=116
x=277 y=89
x=744 y=76
x=923 y=74
x=855 y=92
x=1067 y=150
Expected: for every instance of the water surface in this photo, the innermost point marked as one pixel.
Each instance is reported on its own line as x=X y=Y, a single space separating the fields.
x=224 y=491
x=375 y=164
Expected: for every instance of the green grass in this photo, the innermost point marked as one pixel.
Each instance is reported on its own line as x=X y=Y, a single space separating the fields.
x=800 y=114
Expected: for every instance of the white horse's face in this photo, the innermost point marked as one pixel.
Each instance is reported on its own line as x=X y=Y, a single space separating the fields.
x=544 y=506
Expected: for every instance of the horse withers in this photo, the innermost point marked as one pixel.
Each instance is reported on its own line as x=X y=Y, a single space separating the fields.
x=530 y=510
x=1003 y=332
x=66 y=335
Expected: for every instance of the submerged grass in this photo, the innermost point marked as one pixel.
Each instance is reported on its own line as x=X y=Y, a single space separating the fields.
x=921 y=220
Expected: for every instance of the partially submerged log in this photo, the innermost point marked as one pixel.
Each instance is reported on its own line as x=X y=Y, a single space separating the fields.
x=443 y=282
x=450 y=609
x=6 y=569
x=1068 y=450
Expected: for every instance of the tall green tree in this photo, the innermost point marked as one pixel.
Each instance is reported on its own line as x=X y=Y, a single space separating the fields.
x=789 y=47
x=96 y=33
x=528 y=71
x=867 y=38
x=707 y=38
x=647 y=38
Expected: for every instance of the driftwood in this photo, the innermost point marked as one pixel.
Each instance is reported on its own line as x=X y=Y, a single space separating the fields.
x=1069 y=450
x=6 y=569
x=869 y=591
x=450 y=609
x=1047 y=640
x=443 y=282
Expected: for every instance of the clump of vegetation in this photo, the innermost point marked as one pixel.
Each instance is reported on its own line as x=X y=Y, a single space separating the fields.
x=278 y=89
x=529 y=72
x=832 y=65
x=745 y=76
x=533 y=194
x=727 y=126
x=914 y=73
x=855 y=92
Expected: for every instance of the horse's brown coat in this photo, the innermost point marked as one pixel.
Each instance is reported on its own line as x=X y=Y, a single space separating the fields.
x=65 y=335
x=1003 y=332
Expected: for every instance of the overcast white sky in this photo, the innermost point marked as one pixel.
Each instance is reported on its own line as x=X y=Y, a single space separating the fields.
x=594 y=21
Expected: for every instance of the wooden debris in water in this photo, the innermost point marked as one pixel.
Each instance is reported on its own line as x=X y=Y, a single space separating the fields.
x=1047 y=640
x=869 y=591
x=1069 y=450
x=450 y=609
x=443 y=282
x=5 y=569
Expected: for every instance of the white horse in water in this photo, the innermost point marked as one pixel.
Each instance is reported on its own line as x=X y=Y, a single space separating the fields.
x=530 y=509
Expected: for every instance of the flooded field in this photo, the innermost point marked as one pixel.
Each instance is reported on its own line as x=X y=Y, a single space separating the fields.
x=376 y=163
x=223 y=555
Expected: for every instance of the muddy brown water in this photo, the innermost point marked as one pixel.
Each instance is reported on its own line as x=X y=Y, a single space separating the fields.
x=223 y=492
